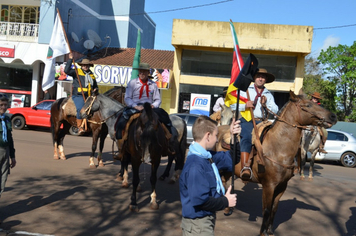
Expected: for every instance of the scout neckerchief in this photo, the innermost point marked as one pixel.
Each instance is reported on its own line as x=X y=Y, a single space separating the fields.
x=141 y=90
x=259 y=94
x=4 y=128
x=197 y=149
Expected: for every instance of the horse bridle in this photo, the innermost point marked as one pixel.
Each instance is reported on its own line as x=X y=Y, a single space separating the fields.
x=88 y=110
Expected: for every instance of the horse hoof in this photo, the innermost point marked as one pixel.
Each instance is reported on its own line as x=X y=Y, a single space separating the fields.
x=63 y=158
x=56 y=158
x=92 y=166
x=310 y=179
x=134 y=208
x=154 y=206
x=101 y=164
x=302 y=178
x=119 y=178
x=125 y=185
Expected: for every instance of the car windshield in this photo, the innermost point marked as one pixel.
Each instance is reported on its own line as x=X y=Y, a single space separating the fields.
x=44 y=106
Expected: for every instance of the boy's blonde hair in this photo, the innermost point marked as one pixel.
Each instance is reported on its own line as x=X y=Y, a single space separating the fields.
x=203 y=125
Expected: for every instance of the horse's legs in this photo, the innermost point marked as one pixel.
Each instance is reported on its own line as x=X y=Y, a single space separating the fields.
x=125 y=173
x=312 y=160
x=267 y=202
x=95 y=134
x=104 y=132
x=168 y=168
x=154 y=167
x=135 y=182
x=303 y=154
x=55 y=131
x=61 y=135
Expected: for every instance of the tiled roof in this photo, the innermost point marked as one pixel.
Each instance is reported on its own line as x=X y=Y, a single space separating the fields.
x=124 y=57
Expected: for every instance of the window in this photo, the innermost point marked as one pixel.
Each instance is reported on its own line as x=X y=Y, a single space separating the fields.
x=218 y=64
x=20 y=14
x=334 y=136
x=44 y=106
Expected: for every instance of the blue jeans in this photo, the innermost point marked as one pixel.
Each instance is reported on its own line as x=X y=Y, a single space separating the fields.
x=79 y=103
x=246 y=135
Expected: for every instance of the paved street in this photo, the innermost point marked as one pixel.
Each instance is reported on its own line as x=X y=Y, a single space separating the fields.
x=61 y=198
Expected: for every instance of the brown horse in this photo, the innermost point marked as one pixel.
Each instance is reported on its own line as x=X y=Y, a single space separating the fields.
x=67 y=117
x=279 y=147
x=146 y=141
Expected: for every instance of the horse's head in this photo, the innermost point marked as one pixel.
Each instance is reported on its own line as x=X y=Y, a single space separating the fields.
x=310 y=113
x=91 y=105
x=226 y=115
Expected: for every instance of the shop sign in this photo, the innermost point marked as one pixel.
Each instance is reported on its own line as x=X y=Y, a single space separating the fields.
x=200 y=104
x=7 y=51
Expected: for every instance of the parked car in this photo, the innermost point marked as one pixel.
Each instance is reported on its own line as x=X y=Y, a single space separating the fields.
x=37 y=115
x=189 y=120
x=341 y=147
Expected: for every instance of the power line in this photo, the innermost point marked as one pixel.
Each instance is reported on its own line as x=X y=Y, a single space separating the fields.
x=335 y=27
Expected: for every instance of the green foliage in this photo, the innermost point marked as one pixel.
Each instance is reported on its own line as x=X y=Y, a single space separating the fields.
x=340 y=68
x=313 y=82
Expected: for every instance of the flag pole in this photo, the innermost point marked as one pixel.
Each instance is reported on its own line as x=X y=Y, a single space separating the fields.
x=70 y=51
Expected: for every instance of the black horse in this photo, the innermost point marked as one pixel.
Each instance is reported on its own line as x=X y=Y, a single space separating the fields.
x=146 y=141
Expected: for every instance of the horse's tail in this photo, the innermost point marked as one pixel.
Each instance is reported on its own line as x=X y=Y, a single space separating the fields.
x=182 y=148
x=150 y=124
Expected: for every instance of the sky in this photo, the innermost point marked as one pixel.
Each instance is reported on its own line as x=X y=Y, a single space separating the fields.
x=334 y=22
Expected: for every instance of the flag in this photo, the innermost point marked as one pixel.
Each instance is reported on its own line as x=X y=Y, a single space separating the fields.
x=137 y=57
x=58 y=46
x=237 y=64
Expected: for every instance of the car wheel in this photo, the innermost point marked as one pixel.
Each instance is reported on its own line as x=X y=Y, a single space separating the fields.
x=73 y=131
x=348 y=159
x=18 y=122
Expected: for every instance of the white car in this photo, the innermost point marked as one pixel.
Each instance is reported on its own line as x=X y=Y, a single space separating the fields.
x=341 y=147
x=189 y=120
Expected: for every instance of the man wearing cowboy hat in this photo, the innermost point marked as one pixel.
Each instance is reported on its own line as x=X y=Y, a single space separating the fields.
x=220 y=100
x=322 y=131
x=258 y=95
x=87 y=85
x=138 y=92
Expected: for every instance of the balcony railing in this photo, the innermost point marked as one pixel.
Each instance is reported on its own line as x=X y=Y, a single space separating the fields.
x=24 y=32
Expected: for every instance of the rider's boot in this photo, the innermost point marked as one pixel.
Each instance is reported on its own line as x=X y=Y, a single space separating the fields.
x=245 y=174
x=80 y=124
x=321 y=147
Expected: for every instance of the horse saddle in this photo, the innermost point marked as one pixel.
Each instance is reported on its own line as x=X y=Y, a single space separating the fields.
x=262 y=129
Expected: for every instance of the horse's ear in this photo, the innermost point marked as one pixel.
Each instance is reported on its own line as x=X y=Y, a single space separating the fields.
x=301 y=91
x=292 y=96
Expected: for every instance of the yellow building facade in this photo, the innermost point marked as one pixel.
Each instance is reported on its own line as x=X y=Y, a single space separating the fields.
x=204 y=49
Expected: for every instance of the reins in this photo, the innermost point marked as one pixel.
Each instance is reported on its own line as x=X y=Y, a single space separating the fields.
x=88 y=110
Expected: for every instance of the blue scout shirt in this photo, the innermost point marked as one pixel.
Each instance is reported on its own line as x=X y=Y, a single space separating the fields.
x=197 y=182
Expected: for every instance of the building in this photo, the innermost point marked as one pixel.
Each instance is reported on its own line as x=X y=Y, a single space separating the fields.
x=203 y=57
x=26 y=28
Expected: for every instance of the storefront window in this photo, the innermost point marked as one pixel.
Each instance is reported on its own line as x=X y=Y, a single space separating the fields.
x=17 y=77
x=218 y=64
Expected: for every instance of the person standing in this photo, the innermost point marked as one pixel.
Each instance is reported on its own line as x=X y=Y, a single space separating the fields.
x=220 y=101
x=87 y=82
x=7 y=150
x=258 y=94
x=200 y=186
x=315 y=97
x=46 y=96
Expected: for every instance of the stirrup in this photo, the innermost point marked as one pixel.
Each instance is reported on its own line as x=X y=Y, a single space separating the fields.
x=246 y=168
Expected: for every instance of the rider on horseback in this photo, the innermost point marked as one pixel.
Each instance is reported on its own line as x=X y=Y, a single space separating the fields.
x=83 y=84
x=138 y=92
x=258 y=94
x=322 y=131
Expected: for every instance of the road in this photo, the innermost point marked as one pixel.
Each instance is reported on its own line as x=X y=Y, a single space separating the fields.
x=56 y=197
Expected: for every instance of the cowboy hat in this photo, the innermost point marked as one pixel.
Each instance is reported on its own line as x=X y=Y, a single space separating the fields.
x=143 y=66
x=270 y=77
x=85 y=62
x=316 y=95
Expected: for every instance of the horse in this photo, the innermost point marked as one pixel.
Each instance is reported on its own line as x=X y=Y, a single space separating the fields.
x=180 y=146
x=146 y=141
x=310 y=142
x=224 y=116
x=67 y=117
x=276 y=166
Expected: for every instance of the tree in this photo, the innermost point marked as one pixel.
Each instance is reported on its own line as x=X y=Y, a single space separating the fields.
x=313 y=82
x=340 y=68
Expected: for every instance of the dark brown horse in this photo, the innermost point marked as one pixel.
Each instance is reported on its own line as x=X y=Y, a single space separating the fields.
x=279 y=147
x=146 y=141
x=63 y=112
